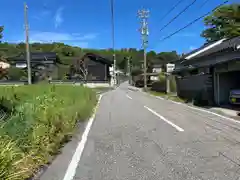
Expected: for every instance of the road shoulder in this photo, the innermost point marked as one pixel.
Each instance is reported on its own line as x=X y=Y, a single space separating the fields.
x=58 y=168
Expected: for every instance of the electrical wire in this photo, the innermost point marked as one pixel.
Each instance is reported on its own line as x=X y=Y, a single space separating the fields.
x=180 y=13
x=203 y=4
x=170 y=10
x=189 y=24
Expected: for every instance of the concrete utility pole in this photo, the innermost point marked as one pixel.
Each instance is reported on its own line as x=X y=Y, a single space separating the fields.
x=113 y=41
x=143 y=16
x=27 y=43
x=129 y=70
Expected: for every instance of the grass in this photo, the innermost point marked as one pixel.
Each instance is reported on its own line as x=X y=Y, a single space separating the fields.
x=162 y=94
x=177 y=99
x=167 y=96
x=42 y=117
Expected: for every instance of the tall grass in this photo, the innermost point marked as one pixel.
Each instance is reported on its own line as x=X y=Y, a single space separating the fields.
x=42 y=117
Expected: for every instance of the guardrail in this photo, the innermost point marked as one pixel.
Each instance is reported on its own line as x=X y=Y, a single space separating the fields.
x=13 y=83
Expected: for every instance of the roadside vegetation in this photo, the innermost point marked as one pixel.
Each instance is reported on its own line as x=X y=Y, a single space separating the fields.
x=170 y=96
x=40 y=119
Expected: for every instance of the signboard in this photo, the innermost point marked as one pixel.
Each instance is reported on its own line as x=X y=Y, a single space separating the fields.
x=170 y=67
x=21 y=65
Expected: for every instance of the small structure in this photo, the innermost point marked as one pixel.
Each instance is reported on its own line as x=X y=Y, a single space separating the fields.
x=157 y=68
x=210 y=72
x=91 y=68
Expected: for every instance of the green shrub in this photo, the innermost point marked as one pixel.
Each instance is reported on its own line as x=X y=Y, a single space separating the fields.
x=44 y=117
x=162 y=77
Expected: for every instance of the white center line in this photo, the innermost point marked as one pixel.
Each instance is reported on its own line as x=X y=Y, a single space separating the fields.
x=128 y=97
x=164 y=119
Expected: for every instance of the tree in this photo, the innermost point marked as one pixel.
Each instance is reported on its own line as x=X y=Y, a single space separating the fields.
x=166 y=57
x=224 y=22
x=1 y=31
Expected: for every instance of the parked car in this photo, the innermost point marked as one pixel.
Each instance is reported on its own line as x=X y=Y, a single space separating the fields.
x=234 y=96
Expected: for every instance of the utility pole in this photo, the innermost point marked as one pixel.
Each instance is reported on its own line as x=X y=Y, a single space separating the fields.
x=113 y=42
x=129 y=69
x=27 y=43
x=143 y=16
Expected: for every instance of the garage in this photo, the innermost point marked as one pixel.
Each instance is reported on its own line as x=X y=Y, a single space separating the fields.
x=227 y=82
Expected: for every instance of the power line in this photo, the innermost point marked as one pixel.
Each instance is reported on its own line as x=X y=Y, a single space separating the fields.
x=186 y=8
x=174 y=7
x=189 y=24
x=203 y=4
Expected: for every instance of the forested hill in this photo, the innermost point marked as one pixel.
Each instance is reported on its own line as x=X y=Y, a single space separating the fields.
x=66 y=53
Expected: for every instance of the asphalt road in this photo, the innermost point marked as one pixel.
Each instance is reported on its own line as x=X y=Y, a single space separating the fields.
x=139 y=137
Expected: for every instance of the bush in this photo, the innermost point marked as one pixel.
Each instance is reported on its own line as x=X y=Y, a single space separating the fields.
x=43 y=117
x=162 y=77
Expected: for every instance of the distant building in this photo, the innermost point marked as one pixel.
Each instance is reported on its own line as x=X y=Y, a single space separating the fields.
x=91 y=67
x=42 y=63
x=157 y=68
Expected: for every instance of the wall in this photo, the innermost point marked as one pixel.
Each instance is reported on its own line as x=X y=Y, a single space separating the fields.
x=157 y=70
x=97 y=71
x=195 y=87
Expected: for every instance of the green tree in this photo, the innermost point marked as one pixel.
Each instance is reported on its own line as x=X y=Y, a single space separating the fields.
x=1 y=32
x=224 y=22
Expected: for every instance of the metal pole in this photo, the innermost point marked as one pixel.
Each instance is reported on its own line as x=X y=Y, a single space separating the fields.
x=27 y=44
x=113 y=41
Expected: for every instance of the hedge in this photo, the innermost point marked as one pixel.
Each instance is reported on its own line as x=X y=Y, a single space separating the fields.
x=42 y=117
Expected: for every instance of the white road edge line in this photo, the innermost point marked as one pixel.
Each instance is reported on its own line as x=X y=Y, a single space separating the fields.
x=198 y=109
x=70 y=173
x=213 y=113
x=128 y=97
x=164 y=119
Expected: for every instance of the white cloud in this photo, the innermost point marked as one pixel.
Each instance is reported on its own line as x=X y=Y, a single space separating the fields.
x=38 y=36
x=80 y=44
x=58 y=19
x=42 y=15
x=73 y=39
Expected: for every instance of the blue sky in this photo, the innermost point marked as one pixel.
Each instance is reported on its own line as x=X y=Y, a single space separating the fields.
x=86 y=23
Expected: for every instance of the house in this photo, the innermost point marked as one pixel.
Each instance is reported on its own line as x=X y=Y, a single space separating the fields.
x=157 y=68
x=91 y=67
x=36 y=58
x=42 y=63
x=210 y=72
